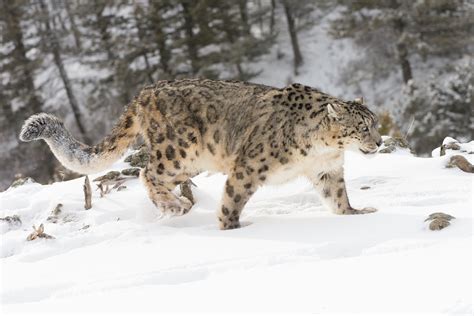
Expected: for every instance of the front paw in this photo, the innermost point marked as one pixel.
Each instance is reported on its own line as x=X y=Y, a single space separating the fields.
x=365 y=210
x=226 y=223
x=227 y=226
x=178 y=207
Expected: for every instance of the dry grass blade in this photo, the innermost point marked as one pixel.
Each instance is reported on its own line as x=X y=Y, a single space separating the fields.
x=38 y=233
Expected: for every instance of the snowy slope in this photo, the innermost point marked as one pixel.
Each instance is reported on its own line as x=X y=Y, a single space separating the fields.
x=292 y=256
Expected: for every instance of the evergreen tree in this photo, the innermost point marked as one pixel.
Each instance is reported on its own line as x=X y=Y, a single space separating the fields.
x=51 y=45
x=441 y=106
x=397 y=33
x=19 y=96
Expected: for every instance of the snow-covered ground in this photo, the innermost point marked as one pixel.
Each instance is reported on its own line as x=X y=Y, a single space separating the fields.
x=292 y=256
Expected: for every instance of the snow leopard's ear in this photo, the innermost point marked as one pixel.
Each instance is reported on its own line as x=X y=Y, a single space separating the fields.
x=334 y=110
x=359 y=100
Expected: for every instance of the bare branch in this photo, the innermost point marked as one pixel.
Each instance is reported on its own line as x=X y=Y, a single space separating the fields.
x=87 y=194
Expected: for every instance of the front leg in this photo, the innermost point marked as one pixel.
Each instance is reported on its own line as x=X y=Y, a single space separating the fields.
x=239 y=187
x=332 y=189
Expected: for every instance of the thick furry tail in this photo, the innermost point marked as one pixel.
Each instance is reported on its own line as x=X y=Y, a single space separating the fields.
x=75 y=155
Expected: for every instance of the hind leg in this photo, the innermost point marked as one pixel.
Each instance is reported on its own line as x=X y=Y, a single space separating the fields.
x=160 y=190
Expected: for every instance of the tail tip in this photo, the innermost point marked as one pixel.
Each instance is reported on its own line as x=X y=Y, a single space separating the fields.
x=35 y=127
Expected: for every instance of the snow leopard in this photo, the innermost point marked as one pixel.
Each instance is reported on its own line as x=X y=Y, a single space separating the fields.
x=255 y=134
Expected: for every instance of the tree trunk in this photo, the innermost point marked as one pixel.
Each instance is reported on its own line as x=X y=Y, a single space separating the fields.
x=102 y=25
x=297 y=57
x=33 y=159
x=75 y=30
x=244 y=16
x=190 y=38
x=56 y=17
x=272 y=17
x=402 y=51
x=229 y=31
x=157 y=25
x=141 y=37
x=404 y=62
x=55 y=50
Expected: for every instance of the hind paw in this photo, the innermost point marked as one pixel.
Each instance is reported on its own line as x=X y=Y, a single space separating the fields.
x=365 y=210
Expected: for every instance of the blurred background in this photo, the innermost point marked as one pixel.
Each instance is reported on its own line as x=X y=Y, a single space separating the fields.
x=412 y=61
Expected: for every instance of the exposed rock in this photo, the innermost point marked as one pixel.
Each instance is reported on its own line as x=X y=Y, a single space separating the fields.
x=439 y=220
x=63 y=174
x=21 y=181
x=139 y=159
x=461 y=162
x=387 y=150
x=186 y=191
x=396 y=141
x=111 y=176
x=13 y=220
x=135 y=172
x=392 y=143
x=451 y=145
x=121 y=188
x=439 y=223
x=54 y=217
x=440 y=215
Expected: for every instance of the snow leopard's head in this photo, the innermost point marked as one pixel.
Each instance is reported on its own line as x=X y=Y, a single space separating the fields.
x=356 y=126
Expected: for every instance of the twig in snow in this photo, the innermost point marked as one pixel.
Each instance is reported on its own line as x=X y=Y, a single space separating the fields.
x=104 y=189
x=87 y=194
x=38 y=233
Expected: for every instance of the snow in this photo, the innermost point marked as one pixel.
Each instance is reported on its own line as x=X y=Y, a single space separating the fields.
x=464 y=147
x=291 y=256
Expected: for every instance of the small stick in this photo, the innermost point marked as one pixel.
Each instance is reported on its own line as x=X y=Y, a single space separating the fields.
x=38 y=233
x=410 y=127
x=87 y=194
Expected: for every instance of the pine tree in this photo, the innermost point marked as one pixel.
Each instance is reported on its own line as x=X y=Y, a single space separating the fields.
x=441 y=106
x=297 y=56
x=52 y=46
x=19 y=97
x=397 y=33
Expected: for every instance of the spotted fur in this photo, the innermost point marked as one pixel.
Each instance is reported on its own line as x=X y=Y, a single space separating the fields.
x=255 y=134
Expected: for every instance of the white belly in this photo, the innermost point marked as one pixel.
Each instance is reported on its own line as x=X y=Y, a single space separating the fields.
x=285 y=174
x=314 y=163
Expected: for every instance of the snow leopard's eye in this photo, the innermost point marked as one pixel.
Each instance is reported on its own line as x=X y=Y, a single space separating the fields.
x=365 y=129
